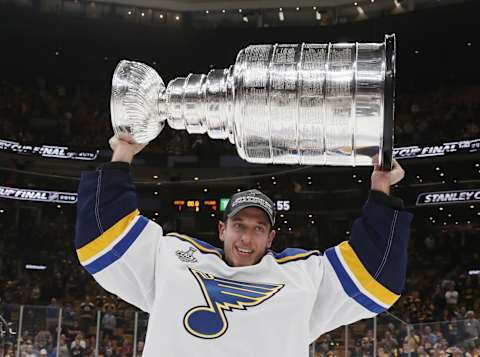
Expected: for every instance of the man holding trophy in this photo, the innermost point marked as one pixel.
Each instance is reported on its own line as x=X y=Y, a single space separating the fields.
x=292 y=104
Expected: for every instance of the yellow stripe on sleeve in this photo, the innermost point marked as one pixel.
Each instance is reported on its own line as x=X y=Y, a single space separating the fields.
x=104 y=240
x=362 y=275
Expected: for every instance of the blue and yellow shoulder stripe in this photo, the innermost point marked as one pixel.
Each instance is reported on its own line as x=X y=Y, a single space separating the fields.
x=293 y=254
x=287 y=255
x=112 y=243
x=357 y=282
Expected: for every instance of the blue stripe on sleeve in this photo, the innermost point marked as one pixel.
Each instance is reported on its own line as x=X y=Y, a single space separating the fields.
x=349 y=286
x=119 y=249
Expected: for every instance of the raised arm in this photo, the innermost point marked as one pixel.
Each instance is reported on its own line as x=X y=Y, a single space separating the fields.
x=114 y=242
x=365 y=276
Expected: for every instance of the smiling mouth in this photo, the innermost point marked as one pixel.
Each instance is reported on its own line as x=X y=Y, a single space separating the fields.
x=243 y=252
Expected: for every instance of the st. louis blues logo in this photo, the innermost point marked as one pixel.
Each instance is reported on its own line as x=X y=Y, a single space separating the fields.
x=222 y=295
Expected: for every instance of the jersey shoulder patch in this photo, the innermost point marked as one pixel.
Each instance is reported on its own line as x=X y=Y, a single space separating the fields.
x=292 y=254
x=202 y=246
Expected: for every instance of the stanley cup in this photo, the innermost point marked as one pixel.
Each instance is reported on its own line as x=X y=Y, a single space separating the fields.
x=308 y=104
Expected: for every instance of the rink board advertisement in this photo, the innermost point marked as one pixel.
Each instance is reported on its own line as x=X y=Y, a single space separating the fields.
x=446 y=197
x=52 y=151
x=25 y=194
x=454 y=147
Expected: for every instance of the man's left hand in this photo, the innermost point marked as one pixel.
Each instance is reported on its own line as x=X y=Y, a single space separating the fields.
x=382 y=180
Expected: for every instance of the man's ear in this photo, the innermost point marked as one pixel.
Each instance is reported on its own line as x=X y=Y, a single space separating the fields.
x=271 y=237
x=221 y=230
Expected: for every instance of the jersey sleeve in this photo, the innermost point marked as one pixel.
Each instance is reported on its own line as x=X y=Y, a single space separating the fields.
x=114 y=242
x=364 y=276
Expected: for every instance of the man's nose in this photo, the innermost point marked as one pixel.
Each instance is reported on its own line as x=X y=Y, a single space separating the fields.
x=246 y=238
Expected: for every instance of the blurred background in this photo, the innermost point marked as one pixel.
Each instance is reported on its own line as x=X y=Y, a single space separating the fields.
x=57 y=59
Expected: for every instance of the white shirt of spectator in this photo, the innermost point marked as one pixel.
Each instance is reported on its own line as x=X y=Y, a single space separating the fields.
x=451 y=297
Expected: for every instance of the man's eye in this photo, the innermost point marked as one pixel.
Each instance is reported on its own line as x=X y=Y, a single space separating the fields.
x=260 y=229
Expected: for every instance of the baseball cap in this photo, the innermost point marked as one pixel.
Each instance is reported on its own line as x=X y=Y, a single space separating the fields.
x=250 y=198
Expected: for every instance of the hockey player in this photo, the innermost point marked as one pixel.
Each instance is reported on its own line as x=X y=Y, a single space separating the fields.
x=242 y=300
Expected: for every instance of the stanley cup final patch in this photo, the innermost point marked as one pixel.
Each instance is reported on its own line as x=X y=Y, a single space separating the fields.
x=186 y=256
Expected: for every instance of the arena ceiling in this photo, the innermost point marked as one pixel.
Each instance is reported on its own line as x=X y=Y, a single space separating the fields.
x=201 y=5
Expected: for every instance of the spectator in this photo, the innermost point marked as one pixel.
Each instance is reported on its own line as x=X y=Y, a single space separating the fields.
x=471 y=327
x=451 y=297
x=109 y=321
x=86 y=315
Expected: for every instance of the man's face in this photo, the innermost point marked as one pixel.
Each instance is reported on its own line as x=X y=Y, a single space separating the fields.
x=246 y=236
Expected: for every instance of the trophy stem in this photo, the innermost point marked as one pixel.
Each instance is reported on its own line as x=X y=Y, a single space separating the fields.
x=201 y=103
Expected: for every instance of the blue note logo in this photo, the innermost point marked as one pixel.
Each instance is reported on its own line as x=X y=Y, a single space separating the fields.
x=209 y=321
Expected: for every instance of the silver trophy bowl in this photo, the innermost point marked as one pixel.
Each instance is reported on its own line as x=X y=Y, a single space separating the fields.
x=307 y=104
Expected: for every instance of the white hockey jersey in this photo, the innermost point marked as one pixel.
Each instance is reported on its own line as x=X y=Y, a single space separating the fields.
x=200 y=306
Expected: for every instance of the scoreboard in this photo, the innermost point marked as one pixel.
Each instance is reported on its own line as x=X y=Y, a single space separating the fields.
x=214 y=205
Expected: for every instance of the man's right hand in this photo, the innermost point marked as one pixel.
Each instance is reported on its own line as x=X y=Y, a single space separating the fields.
x=123 y=147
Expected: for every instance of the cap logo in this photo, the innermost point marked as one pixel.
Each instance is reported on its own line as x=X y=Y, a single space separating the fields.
x=253 y=199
